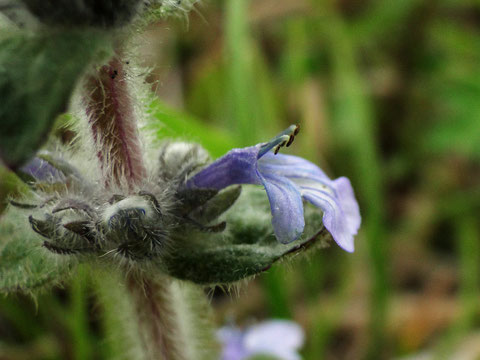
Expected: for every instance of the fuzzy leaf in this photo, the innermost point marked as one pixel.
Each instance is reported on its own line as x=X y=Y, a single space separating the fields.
x=37 y=76
x=246 y=248
x=24 y=264
x=10 y=186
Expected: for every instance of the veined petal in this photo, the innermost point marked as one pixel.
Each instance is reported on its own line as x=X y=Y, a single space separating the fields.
x=334 y=217
x=286 y=206
x=40 y=170
x=334 y=197
x=290 y=166
x=349 y=204
x=238 y=166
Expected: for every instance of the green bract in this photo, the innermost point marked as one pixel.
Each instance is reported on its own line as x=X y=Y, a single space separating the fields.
x=247 y=246
x=24 y=264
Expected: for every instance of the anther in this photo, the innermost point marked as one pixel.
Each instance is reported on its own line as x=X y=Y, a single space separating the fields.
x=290 y=140
x=279 y=146
x=297 y=130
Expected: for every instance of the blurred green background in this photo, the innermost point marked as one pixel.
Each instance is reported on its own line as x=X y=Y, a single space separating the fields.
x=387 y=92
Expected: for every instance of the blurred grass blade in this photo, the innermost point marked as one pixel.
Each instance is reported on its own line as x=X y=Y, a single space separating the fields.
x=356 y=131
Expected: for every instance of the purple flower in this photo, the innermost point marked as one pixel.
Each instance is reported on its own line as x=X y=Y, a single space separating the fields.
x=278 y=338
x=40 y=170
x=287 y=179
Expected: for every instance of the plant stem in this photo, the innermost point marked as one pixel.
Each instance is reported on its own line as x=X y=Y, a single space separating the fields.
x=164 y=312
x=111 y=117
x=158 y=318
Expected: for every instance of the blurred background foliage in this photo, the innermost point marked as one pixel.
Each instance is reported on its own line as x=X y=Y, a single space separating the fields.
x=387 y=93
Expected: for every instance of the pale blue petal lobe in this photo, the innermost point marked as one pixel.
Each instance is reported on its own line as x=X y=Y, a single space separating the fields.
x=349 y=204
x=286 y=206
x=334 y=218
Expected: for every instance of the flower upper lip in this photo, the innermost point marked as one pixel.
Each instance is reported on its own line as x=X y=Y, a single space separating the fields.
x=287 y=179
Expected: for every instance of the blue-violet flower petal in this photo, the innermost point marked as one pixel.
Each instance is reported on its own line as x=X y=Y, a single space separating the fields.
x=279 y=338
x=41 y=170
x=287 y=180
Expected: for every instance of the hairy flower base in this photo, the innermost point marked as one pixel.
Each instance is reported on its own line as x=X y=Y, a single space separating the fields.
x=76 y=227
x=82 y=218
x=188 y=223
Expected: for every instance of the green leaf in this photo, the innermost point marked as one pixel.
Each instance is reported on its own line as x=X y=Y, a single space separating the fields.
x=24 y=264
x=246 y=248
x=10 y=186
x=37 y=76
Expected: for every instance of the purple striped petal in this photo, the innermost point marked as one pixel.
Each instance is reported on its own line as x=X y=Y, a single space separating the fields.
x=41 y=170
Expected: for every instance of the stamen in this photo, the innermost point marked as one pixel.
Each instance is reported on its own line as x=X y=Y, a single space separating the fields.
x=297 y=130
x=285 y=138
x=275 y=142
x=292 y=136
x=279 y=146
